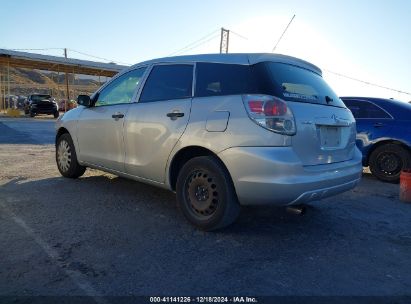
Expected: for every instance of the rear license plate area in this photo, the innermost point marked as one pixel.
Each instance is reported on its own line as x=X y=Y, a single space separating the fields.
x=330 y=136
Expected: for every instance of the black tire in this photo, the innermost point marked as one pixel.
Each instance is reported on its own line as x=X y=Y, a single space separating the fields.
x=66 y=157
x=387 y=162
x=32 y=114
x=206 y=194
x=56 y=114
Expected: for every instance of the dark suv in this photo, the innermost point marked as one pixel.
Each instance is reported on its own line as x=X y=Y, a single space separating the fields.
x=41 y=104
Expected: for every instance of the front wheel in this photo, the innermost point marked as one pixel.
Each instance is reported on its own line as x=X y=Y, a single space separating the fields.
x=56 y=114
x=387 y=162
x=66 y=157
x=206 y=195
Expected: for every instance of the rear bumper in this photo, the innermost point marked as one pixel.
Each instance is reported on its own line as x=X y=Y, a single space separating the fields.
x=275 y=175
x=44 y=110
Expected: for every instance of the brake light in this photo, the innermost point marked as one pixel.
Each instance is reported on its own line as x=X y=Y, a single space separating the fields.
x=271 y=113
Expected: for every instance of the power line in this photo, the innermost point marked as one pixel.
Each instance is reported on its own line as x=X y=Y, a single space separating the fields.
x=75 y=51
x=192 y=43
x=286 y=28
x=97 y=57
x=239 y=35
x=42 y=49
x=200 y=42
x=368 y=83
x=205 y=41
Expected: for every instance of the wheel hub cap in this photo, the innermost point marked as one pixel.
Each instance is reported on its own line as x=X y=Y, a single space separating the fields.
x=64 y=155
x=390 y=163
x=201 y=191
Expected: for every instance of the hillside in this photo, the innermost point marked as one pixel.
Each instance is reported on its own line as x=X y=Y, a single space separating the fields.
x=25 y=82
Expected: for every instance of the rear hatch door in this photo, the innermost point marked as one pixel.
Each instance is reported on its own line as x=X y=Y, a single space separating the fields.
x=325 y=134
x=325 y=128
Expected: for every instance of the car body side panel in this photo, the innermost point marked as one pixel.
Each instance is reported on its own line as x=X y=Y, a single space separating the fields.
x=400 y=133
x=375 y=131
x=100 y=136
x=69 y=122
x=240 y=130
x=150 y=136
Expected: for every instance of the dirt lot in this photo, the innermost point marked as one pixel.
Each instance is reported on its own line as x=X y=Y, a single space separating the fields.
x=102 y=235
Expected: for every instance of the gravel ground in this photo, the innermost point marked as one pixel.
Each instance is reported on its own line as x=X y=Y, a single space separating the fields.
x=102 y=235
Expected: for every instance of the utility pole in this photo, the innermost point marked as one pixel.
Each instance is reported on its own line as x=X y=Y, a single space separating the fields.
x=67 y=85
x=8 y=82
x=286 y=28
x=225 y=37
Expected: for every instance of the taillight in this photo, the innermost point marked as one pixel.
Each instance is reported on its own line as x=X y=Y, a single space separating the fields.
x=271 y=113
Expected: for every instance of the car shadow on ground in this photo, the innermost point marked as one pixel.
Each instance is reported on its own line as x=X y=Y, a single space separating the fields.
x=130 y=238
x=107 y=192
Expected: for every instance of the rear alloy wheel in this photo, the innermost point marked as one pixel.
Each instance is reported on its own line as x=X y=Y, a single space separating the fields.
x=66 y=157
x=206 y=194
x=387 y=162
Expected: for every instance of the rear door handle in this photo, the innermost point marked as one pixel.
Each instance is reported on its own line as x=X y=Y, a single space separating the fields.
x=117 y=116
x=379 y=125
x=175 y=115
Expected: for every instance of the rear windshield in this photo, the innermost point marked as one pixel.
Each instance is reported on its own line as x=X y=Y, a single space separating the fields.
x=282 y=80
x=294 y=83
x=40 y=97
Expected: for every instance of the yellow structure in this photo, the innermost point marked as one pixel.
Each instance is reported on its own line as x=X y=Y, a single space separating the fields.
x=13 y=112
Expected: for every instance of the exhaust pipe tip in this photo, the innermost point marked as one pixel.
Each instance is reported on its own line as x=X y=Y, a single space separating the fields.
x=298 y=209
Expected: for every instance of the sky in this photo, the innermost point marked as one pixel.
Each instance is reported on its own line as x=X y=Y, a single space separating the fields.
x=361 y=39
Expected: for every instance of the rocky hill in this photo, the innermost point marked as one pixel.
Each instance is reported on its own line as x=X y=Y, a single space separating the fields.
x=25 y=82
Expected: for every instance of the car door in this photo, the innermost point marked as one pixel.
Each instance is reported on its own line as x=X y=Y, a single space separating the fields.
x=100 y=131
x=373 y=122
x=154 y=124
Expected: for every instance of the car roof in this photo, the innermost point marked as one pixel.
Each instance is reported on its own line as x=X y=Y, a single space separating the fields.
x=236 y=58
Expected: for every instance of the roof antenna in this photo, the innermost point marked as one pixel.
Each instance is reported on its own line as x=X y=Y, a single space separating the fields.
x=286 y=28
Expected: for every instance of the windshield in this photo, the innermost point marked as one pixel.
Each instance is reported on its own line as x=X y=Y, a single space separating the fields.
x=298 y=84
x=40 y=97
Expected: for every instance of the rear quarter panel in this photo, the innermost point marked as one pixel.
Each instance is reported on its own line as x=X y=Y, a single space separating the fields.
x=400 y=132
x=240 y=131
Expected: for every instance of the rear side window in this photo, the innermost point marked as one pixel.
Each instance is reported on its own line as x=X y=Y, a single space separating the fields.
x=168 y=82
x=365 y=109
x=216 y=79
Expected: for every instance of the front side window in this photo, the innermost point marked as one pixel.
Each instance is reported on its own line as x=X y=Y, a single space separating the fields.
x=364 y=109
x=121 y=89
x=168 y=82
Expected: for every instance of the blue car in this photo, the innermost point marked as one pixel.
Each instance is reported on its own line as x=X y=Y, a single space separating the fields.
x=383 y=135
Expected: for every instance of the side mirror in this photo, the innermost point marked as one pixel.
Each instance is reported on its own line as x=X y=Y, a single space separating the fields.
x=84 y=100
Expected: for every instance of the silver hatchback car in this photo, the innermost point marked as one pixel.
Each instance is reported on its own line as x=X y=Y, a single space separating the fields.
x=221 y=130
